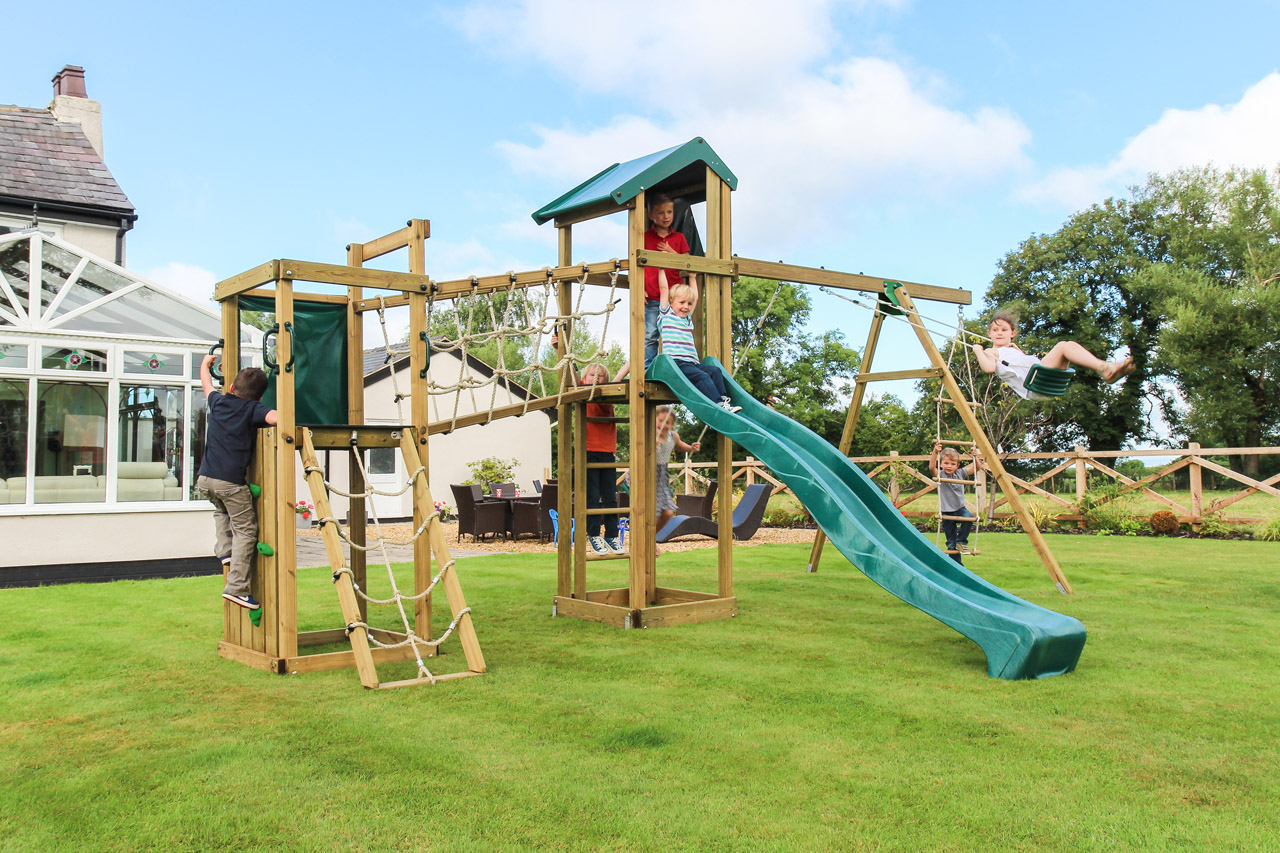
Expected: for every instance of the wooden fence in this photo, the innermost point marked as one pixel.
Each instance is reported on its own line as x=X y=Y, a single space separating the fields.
x=903 y=475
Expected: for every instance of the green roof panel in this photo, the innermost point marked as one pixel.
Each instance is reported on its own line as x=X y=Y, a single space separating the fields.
x=622 y=182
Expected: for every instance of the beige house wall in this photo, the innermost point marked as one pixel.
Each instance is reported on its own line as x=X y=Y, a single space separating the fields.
x=108 y=537
x=527 y=439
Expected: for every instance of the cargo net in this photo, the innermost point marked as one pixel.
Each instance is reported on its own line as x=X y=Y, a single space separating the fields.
x=397 y=598
x=498 y=328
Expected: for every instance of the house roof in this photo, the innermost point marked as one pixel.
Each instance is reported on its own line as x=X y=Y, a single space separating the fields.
x=671 y=169
x=43 y=159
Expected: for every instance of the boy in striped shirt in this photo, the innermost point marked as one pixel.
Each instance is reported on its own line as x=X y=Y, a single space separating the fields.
x=675 y=331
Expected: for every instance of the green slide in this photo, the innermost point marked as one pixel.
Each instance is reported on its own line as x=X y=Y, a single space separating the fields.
x=1020 y=639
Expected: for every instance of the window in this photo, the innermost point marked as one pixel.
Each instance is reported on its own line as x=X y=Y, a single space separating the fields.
x=13 y=356
x=382 y=460
x=73 y=358
x=150 y=439
x=199 y=428
x=152 y=363
x=71 y=442
x=13 y=432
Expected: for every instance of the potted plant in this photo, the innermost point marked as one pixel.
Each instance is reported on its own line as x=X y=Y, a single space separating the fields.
x=304 y=511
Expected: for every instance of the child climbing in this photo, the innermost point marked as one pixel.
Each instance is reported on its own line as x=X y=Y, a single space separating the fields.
x=951 y=497
x=1011 y=364
x=668 y=440
x=675 y=328
x=234 y=419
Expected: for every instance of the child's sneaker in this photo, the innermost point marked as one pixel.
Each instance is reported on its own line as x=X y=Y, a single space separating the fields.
x=614 y=545
x=728 y=406
x=963 y=548
x=598 y=545
x=248 y=602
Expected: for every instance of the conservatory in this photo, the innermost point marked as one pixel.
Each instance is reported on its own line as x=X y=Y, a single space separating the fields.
x=102 y=416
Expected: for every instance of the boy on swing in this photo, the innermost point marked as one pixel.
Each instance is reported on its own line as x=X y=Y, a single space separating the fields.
x=1008 y=362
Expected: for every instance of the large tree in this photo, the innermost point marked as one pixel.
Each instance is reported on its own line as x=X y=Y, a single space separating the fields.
x=1079 y=284
x=1220 y=300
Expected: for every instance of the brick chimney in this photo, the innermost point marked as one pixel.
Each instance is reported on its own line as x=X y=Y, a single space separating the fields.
x=71 y=105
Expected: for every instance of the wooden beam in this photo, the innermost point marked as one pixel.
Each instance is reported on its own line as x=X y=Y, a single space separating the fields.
x=248 y=657
x=847 y=281
x=887 y=375
x=247 y=280
x=687 y=613
x=593 y=611
x=606 y=207
x=687 y=263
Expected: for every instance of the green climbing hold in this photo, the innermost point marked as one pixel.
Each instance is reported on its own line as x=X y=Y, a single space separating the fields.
x=266 y=550
x=255 y=490
x=255 y=616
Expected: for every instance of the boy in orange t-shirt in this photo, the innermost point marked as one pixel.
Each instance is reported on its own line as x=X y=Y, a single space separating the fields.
x=602 y=483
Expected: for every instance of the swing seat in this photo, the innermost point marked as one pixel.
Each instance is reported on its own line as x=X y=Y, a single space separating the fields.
x=1049 y=381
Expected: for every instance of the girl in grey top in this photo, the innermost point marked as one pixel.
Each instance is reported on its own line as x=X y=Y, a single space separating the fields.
x=668 y=440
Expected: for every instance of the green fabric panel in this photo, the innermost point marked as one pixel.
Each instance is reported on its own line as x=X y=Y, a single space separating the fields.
x=320 y=359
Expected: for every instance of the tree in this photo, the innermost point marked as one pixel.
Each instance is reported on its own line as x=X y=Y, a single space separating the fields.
x=1220 y=298
x=1079 y=284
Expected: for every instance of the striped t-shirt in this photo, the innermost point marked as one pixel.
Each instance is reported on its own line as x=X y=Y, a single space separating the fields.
x=676 y=335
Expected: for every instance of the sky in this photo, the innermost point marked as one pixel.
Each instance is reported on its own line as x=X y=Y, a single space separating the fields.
x=905 y=139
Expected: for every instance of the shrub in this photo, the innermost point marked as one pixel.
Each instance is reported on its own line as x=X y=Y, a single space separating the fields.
x=491 y=470
x=1041 y=514
x=1213 y=525
x=1269 y=533
x=1164 y=522
x=1104 y=508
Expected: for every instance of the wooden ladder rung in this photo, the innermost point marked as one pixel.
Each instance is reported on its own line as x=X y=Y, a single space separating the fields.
x=973 y=553
x=953 y=402
x=609 y=510
x=957 y=518
x=954 y=480
x=593 y=557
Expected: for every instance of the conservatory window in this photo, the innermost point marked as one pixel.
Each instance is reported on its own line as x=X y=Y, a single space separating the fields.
x=150 y=439
x=71 y=442
x=56 y=266
x=13 y=436
x=199 y=427
x=73 y=358
x=15 y=270
x=151 y=363
x=13 y=356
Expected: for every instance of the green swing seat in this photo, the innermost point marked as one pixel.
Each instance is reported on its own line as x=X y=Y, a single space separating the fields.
x=1049 y=381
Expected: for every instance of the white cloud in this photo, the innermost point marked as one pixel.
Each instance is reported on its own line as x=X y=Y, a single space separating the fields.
x=1239 y=134
x=193 y=282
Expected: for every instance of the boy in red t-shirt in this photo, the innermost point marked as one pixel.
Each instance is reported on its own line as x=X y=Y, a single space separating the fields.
x=660 y=238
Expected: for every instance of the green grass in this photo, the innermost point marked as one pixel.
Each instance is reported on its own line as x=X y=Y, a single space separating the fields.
x=827 y=715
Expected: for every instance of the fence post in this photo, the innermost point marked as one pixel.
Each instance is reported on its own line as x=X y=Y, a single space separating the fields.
x=688 y=476
x=751 y=471
x=893 y=477
x=1195 y=472
x=1082 y=481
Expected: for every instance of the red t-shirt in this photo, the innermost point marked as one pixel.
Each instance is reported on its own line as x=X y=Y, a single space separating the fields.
x=651 y=240
x=601 y=438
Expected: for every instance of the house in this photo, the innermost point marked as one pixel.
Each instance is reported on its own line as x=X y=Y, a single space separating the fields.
x=52 y=172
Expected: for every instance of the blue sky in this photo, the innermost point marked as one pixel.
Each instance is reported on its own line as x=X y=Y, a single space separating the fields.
x=911 y=140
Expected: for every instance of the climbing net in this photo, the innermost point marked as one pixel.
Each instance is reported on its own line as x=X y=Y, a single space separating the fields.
x=398 y=598
x=503 y=326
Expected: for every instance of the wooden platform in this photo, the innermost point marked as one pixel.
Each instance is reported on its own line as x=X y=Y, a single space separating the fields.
x=670 y=607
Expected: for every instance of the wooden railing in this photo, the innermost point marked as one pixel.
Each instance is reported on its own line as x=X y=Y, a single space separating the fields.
x=902 y=472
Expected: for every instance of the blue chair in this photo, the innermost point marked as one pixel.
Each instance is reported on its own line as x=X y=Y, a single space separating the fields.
x=555 y=527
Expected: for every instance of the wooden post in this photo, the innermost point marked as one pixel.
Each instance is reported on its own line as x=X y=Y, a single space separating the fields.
x=1195 y=475
x=356 y=510
x=895 y=489
x=719 y=296
x=286 y=544
x=851 y=420
x=641 y=563
x=990 y=456
x=565 y=435
x=1082 y=475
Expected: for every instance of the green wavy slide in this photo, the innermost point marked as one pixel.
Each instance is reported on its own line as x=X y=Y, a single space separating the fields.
x=1020 y=639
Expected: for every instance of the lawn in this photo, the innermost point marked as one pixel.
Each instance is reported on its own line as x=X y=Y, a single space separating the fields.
x=827 y=715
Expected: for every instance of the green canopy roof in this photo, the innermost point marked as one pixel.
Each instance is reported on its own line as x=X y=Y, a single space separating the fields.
x=675 y=169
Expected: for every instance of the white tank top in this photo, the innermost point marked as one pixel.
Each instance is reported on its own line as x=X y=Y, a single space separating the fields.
x=1012 y=366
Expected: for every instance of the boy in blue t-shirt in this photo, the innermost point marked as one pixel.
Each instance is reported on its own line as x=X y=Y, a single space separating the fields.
x=675 y=330
x=234 y=419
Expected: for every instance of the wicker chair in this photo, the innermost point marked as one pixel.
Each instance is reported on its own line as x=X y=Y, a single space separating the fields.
x=526 y=518
x=479 y=518
x=699 y=505
x=546 y=503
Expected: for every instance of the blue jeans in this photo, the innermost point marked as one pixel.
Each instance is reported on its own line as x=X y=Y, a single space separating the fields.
x=706 y=379
x=957 y=532
x=651 y=309
x=602 y=492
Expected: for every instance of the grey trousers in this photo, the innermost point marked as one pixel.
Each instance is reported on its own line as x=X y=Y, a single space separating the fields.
x=235 y=529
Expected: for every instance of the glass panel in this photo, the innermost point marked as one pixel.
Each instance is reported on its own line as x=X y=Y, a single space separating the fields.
x=150 y=438
x=15 y=266
x=72 y=358
x=199 y=426
x=159 y=364
x=13 y=435
x=71 y=442
x=94 y=283
x=148 y=313
x=13 y=356
x=382 y=460
x=57 y=264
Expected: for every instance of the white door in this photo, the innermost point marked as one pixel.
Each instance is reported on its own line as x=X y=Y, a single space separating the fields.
x=386 y=473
